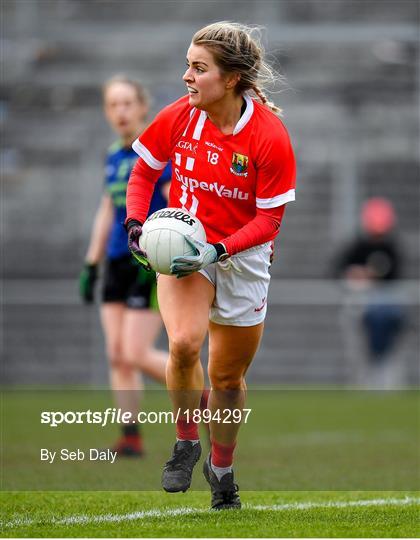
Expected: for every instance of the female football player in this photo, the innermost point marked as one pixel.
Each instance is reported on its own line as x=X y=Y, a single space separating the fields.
x=234 y=168
x=129 y=311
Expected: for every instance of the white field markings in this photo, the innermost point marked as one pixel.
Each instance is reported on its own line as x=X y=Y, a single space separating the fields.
x=83 y=519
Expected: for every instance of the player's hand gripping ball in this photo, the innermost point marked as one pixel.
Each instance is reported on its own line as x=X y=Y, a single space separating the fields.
x=205 y=254
x=134 y=230
x=167 y=234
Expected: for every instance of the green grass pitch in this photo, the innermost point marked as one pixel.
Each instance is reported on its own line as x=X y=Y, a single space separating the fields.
x=156 y=514
x=309 y=464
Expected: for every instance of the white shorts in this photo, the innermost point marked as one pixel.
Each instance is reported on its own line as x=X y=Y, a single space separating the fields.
x=241 y=292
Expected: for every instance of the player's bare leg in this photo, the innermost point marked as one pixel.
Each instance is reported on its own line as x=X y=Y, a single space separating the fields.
x=140 y=330
x=126 y=381
x=184 y=305
x=231 y=350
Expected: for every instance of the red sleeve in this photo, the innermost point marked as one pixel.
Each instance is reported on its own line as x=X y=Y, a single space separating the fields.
x=140 y=190
x=263 y=228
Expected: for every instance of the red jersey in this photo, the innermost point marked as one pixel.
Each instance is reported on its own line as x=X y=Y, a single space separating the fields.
x=222 y=179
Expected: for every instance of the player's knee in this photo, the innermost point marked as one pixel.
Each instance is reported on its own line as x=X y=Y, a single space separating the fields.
x=134 y=358
x=118 y=360
x=184 y=350
x=225 y=381
x=114 y=356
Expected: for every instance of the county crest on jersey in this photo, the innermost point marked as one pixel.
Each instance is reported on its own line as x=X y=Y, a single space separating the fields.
x=239 y=164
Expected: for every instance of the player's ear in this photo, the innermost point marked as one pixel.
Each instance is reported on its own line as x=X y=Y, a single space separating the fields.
x=232 y=80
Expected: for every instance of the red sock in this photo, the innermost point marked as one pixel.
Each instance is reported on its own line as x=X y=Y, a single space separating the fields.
x=222 y=454
x=186 y=431
x=204 y=399
x=135 y=441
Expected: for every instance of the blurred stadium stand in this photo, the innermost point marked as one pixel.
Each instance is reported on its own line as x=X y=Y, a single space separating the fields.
x=351 y=105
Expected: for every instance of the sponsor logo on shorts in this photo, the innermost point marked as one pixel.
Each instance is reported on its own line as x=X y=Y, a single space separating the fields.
x=220 y=189
x=174 y=214
x=264 y=301
x=239 y=164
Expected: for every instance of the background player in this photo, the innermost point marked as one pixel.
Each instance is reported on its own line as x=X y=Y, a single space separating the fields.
x=233 y=166
x=129 y=311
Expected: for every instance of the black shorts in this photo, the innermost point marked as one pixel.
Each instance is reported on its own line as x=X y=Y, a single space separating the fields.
x=128 y=282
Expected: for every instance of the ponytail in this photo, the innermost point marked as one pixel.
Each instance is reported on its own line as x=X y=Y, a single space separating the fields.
x=264 y=100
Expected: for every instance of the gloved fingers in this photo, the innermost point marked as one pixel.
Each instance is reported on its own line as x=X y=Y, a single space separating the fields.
x=141 y=259
x=135 y=230
x=184 y=267
x=194 y=244
x=87 y=296
x=86 y=286
x=186 y=259
x=134 y=245
x=134 y=237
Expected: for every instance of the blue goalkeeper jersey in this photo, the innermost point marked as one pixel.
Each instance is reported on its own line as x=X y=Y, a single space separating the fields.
x=119 y=162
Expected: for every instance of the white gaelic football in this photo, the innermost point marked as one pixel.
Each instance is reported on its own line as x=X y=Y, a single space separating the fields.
x=163 y=237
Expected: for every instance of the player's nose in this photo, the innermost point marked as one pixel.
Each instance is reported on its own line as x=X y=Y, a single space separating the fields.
x=187 y=77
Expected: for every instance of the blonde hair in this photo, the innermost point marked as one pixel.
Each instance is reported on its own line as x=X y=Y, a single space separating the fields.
x=237 y=49
x=141 y=92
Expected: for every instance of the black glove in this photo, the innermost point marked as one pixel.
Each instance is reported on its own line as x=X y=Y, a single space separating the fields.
x=134 y=230
x=87 y=281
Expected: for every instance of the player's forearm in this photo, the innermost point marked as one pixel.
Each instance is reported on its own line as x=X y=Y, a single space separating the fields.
x=140 y=190
x=100 y=232
x=263 y=228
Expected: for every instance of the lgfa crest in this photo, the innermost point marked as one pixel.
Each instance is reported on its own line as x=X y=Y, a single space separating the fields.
x=239 y=164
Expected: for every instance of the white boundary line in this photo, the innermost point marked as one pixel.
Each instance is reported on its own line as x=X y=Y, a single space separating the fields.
x=167 y=513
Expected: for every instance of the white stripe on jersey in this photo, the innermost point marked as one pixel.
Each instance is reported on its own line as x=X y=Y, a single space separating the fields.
x=202 y=117
x=246 y=117
x=276 y=201
x=177 y=158
x=144 y=153
x=189 y=121
x=190 y=163
x=199 y=125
